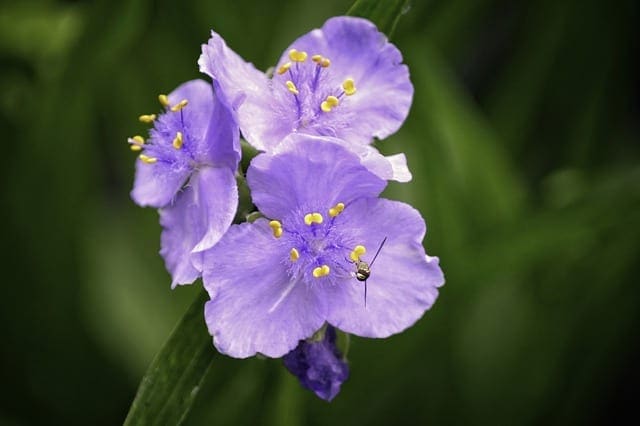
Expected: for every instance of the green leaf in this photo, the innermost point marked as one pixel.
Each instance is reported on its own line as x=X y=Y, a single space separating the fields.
x=384 y=13
x=173 y=380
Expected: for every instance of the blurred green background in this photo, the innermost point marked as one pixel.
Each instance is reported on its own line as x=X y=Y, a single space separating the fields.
x=523 y=141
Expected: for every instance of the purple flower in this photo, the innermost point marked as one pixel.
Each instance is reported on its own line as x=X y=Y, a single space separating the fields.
x=276 y=281
x=319 y=365
x=344 y=80
x=187 y=170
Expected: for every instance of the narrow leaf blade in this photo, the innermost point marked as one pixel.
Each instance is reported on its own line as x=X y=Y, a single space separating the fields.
x=171 y=383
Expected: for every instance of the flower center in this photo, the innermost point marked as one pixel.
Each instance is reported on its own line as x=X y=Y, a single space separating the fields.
x=168 y=136
x=319 y=248
x=314 y=90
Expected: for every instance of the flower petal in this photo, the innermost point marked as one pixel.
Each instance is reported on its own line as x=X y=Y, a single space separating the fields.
x=403 y=282
x=308 y=170
x=319 y=366
x=197 y=114
x=245 y=88
x=157 y=184
x=392 y=167
x=223 y=135
x=201 y=215
x=209 y=121
x=359 y=51
x=254 y=306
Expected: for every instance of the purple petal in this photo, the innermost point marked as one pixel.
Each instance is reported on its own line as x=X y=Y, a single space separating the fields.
x=201 y=215
x=223 y=134
x=245 y=88
x=211 y=138
x=403 y=282
x=358 y=50
x=393 y=167
x=197 y=114
x=319 y=365
x=210 y=122
x=309 y=171
x=156 y=185
x=254 y=306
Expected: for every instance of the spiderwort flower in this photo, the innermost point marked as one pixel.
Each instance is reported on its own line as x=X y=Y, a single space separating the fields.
x=344 y=80
x=187 y=170
x=276 y=281
x=319 y=365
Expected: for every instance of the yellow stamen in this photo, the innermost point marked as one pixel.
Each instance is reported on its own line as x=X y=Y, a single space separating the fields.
x=310 y=218
x=164 y=100
x=357 y=252
x=324 y=63
x=147 y=160
x=136 y=142
x=297 y=55
x=349 y=87
x=294 y=255
x=147 y=118
x=316 y=58
x=177 y=141
x=284 y=68
x=321 y=271
x=177 y=107
x=276 y=227
x=336 y=210
x=292 y=87
x=330 y=103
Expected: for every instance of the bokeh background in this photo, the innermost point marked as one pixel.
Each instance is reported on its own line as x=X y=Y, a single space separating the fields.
x=523 y=141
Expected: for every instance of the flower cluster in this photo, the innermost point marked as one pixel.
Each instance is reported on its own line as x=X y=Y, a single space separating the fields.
x=326 y=252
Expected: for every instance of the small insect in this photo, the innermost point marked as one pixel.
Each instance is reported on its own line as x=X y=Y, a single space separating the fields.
x=363 y=269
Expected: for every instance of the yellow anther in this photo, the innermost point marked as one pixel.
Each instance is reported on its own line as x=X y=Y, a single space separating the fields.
x=349 y=87
x=177 y=107
x=324 y=63
x=310 y=218
x=357 y=252
x=164 y=100
x=136 y=142
x=177 y=141
x=147 y=160
x=297 y=55
x=321 y=271
x=284 y=68
x=294 y=255
x=276 y=227
x=292 y=87
x=147 y=118
x=324 y=106
x=336 y=210
x=328 y=104
x=316 y=58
